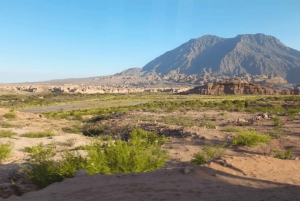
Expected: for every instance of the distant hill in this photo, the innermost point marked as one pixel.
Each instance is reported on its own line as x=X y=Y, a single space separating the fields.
x=255 y=54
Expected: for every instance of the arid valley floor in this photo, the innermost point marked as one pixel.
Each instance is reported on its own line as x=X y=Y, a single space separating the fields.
x=189 y=122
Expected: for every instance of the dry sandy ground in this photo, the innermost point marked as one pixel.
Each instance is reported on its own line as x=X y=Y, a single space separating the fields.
x=255 y=178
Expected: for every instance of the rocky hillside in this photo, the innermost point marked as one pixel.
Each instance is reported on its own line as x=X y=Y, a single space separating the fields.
x=237 y=86
x=256 y=54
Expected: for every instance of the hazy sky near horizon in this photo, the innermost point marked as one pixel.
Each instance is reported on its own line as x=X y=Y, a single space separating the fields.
x=44 y=40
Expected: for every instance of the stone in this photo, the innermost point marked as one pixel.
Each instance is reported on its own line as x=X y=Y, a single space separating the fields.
x=242 y=120
x=265 y=116
x=188 y=169
x=81 y=173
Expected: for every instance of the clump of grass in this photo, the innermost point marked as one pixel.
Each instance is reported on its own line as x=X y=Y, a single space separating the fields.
x=5 y=124
x=5 y=151
x=180 y=120
x=285 y=154
x=293 y=112
x=277 y=133
x=208 y=124
x=278 y=109
x=231 y=129
x=141 y=153
x=70 y=142
x=250 y=138
x=152 y=119
x=208 y=153
x=7 y=133
x=41 y=134
x=76 y=128
x=277 y=122
x=10 y=115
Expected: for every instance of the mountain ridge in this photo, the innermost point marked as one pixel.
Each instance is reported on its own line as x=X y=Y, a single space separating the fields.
x=256 y=54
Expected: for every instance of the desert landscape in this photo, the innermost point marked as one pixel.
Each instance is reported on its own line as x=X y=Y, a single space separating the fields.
x=215 y=147
x=149 y=100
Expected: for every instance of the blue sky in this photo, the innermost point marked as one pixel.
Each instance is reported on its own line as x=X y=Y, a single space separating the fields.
x=50 y=39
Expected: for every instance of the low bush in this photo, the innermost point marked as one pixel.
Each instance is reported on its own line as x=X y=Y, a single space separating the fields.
x=277 y=122
x=208 y=153
x=285 y=154
x=43 y=170
x=41 y=134
x=7 y=133
x=141 y=153
x=10 y=115
x=277 y=109
x=5 y=151
x=250 y=138
x=293 y=112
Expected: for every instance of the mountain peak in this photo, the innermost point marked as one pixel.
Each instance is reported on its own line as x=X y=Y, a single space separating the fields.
x=256 y=54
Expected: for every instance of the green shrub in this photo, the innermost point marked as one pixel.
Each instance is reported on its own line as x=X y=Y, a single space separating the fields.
x=278 y=109
x=5 y=151
x=7 y=133
x=142 y=152
x=277 y=122
x=10 y=115
x=48 y=133
x=283 y=154
x=43 y=170
x=208 y=124
x=249 y=138
x=293 y=112
x=208 y=153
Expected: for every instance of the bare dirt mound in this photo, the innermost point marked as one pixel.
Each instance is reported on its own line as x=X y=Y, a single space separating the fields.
x=229 y=178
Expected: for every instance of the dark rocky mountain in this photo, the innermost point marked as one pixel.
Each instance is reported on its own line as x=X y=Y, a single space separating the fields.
x=254 y=54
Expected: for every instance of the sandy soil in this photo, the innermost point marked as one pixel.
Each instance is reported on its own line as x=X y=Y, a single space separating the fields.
x=235 y=178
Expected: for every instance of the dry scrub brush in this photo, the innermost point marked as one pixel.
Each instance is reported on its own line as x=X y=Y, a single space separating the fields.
x=141 y=153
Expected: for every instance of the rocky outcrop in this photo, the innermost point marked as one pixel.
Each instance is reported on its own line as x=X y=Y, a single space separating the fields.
x=239 y=87
x=91 y=89
x=7 y=189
